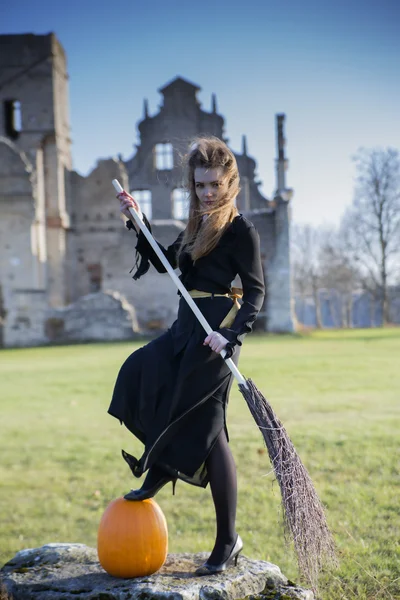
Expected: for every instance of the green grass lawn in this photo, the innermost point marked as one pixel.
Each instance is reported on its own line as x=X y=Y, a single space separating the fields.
x=338 y=394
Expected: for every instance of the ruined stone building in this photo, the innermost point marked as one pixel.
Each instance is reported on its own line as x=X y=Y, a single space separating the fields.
x=65 y=254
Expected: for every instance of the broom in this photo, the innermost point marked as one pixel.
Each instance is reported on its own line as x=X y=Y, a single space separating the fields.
x=303 y=514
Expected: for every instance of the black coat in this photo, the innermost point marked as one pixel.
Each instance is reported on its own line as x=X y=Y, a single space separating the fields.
x=172 y=393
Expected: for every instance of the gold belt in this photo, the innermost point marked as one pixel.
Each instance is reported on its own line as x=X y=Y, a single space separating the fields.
x=234 y=295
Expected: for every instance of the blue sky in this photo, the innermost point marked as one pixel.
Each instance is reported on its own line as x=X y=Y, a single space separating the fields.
x=331 y=66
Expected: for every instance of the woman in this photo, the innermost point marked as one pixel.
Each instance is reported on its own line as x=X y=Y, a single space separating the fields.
x=172 y=394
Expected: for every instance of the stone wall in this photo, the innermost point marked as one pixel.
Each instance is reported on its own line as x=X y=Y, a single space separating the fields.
x=273 y=228
x=28 y=78
x=25 y=317
x=17 y=216
x=154 y=295
x=36 y=78
x=22 y=255
x=96 y=230
x=279 y=281
x=101 y=250
x=95 y=317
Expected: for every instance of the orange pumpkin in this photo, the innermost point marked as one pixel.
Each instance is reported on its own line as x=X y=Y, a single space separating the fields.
x=132 y=539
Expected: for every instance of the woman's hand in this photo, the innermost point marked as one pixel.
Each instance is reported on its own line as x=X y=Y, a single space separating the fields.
x=126 y=201
x=216 y=341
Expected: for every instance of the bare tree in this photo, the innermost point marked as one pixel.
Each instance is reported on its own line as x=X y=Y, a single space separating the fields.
x=305 y=249
x=339 y=274
x=372 y=224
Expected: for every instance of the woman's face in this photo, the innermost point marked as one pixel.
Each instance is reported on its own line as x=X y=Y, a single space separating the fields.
x=210 y=185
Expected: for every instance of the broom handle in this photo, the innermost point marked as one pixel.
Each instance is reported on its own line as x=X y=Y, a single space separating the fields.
x=235 y=371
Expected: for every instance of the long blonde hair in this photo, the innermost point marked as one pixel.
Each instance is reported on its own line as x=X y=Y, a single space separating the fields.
x=209 y=153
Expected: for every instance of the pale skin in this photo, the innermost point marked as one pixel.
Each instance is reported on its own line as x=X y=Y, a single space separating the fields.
x=209 y=184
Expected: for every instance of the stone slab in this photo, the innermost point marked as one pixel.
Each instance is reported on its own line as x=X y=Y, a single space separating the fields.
x=71 y=571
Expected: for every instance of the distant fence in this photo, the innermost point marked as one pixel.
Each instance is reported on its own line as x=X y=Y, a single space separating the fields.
x=360 y=309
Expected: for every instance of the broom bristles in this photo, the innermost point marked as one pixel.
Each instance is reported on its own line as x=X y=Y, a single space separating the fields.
x=303 y=513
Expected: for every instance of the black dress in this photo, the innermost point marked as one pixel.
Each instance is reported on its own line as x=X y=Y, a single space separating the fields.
x=172 y=393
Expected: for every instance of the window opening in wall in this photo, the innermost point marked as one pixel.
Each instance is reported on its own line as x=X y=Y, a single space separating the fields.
x=164 y=157
x=13 y=118
x=95 y=277
x=180 y=204
x=144 y=199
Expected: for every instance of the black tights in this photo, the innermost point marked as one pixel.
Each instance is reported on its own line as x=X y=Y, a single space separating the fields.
x=221 y=470
x=222 y=474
